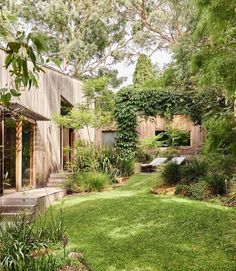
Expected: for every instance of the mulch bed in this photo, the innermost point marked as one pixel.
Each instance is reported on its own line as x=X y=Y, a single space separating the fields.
x=163 y=190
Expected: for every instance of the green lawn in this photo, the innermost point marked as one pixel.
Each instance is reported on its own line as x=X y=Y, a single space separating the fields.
x=130 y=229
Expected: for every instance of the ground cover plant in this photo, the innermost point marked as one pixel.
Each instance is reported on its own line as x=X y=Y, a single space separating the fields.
x=129 y=228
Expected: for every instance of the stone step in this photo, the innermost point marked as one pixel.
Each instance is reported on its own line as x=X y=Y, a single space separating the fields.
x=60 y=175
x=56 y=180
x=55 y=184
x=12 y=216
x=18 y=201
x=17 y=208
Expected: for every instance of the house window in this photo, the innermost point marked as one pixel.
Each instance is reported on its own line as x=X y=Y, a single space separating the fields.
x=174 y=138
x=108 y=138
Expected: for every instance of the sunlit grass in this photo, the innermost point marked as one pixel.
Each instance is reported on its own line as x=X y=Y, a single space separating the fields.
x=129 y=229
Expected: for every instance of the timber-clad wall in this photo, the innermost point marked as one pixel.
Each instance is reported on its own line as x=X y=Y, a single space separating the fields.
x=148 y=126
x=46 y=100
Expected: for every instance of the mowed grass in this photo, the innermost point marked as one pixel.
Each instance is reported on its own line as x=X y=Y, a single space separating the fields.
x=130 y=229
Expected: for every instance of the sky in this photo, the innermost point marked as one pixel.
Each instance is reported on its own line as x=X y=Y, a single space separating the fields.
x=161 y=58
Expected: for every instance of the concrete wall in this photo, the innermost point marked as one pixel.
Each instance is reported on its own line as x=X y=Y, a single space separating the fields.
x=46 y=100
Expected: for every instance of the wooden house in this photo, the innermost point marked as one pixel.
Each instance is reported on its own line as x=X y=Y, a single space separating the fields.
x=32 y=144
x=153 y=126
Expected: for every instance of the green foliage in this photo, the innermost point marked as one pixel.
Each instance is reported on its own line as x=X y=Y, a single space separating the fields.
x=172 y=137
x=144 y=71
x=82 y=35
x=221 y=135
x=198 y=190
x=19 y=49
x=216 y=183
x=171 y=173
x=22 y=239
x=39 y=264
x=84 y=116
x=220 y=164
x=97 y=159
x=125 y=114
x=130 y=102
x=87 y=182
x=96 y=181
x=151 y=227
x=193 y=170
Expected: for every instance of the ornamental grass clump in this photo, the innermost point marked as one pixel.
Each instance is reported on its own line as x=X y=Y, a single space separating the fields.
x=25 y=244
x=193 y=170
x=171 y=173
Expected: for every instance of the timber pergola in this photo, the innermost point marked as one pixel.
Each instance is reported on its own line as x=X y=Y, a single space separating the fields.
x=19 y=113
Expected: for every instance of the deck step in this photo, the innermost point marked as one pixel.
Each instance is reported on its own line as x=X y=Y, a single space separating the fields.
x=18 y=201
x=17 y=208
x=54 y=184
x=12 y=216
x=56 y=180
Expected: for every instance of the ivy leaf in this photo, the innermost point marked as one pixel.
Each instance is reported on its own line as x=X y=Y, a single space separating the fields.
x=14 y=46
x=56 y=61
x=14 y=92
x=5 y=98
x=3 y=31
x=40 y=42
x=8 y=60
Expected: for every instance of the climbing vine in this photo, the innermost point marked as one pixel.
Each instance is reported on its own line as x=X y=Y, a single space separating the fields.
x=130 y=103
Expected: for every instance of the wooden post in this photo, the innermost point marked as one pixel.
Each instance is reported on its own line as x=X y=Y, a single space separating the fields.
x=2 y=143
x=61 y=148
x=33 y=157
x=18 y=155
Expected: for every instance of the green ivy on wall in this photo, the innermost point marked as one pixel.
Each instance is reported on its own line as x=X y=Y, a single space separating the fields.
x=130 y=102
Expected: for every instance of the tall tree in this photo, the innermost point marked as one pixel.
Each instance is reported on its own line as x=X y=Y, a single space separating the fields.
x=144 y=71
x=87 y=35
x=84 y=35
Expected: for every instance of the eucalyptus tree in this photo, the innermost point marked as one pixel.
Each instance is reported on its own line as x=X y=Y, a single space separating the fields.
x=92 y=34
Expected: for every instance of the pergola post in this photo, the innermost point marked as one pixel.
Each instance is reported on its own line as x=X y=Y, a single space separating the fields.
x=2 y=143
x=33 y=157
x=19 y=155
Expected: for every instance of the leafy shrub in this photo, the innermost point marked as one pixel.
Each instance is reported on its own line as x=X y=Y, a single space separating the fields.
x=182 y=189
x=198 y=191
x=86 y=182
x=220 y=164
x=127 y=167
x=171 y=137
x=145 y=155
x=216 y=183
x=17 y=240
x=221 y=134
x=193 y=170
x=170 y=173
x=20 y=239
x=98 y=159
x=95 y=181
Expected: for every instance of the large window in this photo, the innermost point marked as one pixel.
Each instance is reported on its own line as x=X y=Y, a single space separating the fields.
x=173 y=137
x=108 y=138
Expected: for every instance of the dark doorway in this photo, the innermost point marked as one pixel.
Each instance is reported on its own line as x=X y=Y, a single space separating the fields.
x=67 y=138
x=26 y=153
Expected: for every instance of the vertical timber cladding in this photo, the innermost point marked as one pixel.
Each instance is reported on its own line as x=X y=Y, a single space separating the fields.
x=1 y=153
x=45 y=101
